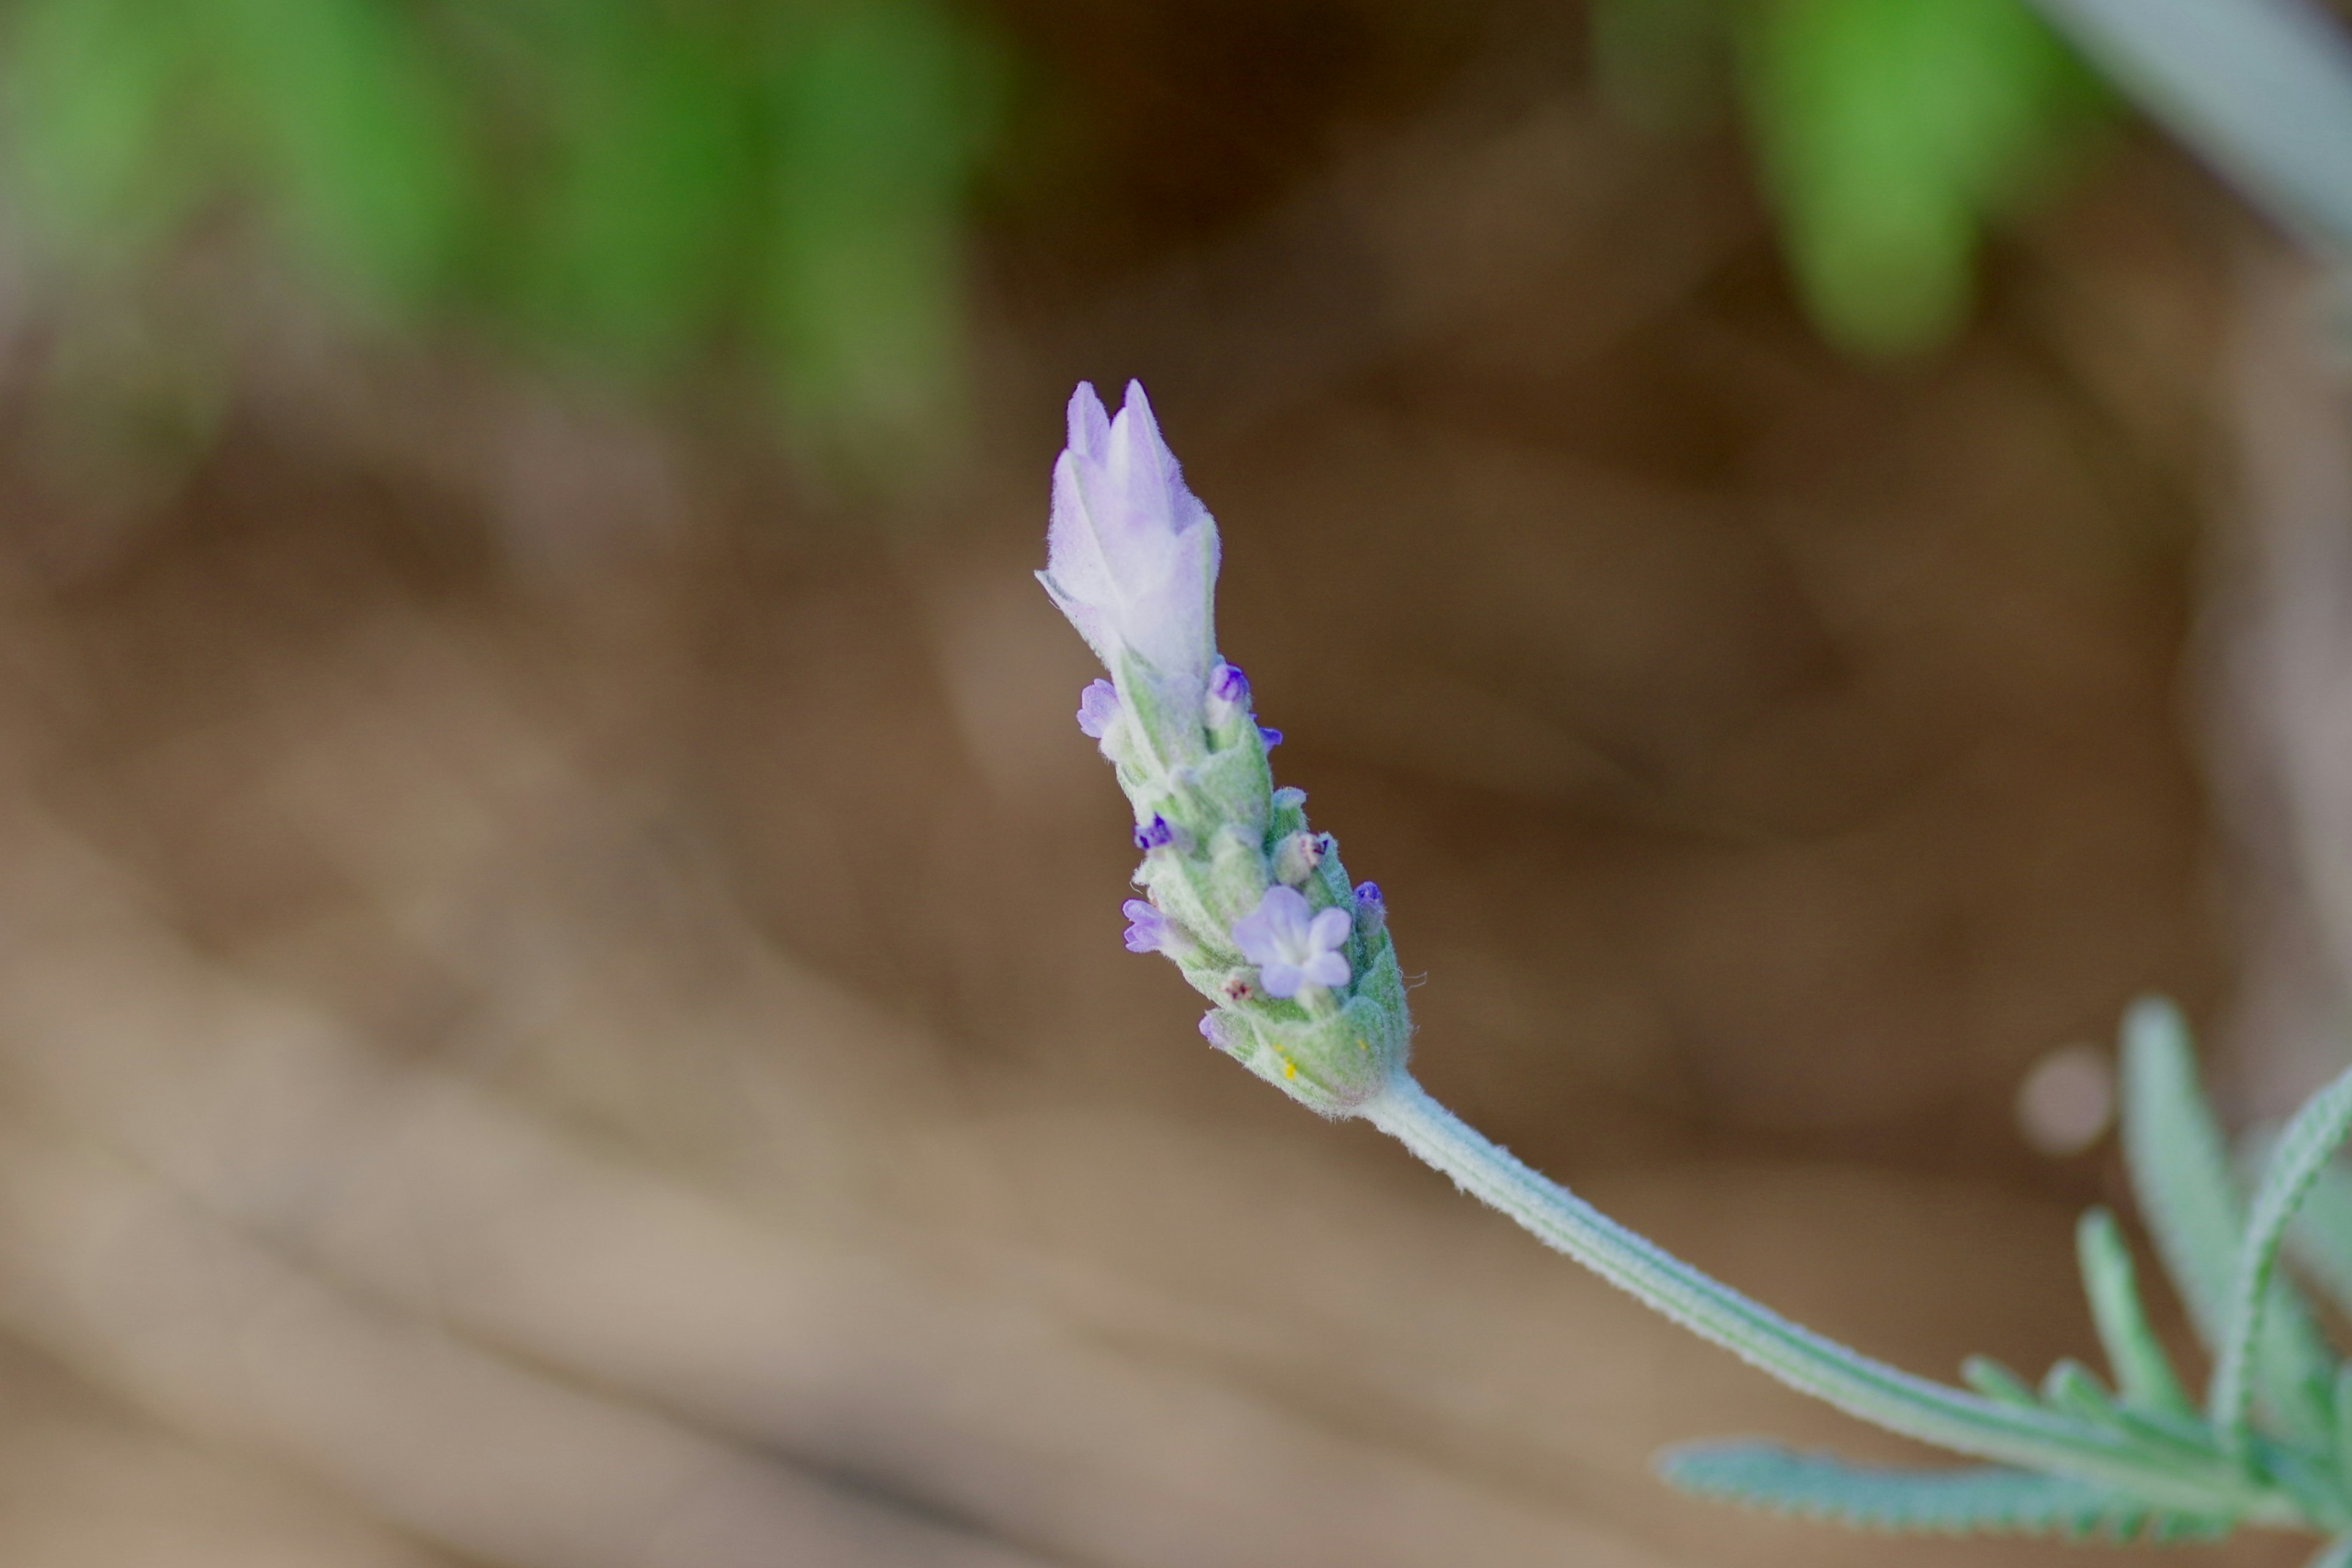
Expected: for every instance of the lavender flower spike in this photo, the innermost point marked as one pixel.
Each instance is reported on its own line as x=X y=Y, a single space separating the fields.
x=1248 y=901
x=1293 y=946
x=1131 y=557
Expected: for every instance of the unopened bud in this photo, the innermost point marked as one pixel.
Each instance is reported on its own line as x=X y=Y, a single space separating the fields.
x=1295 y=858
x=1371 y=911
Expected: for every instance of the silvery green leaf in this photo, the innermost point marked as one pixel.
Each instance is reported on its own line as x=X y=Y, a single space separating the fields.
x=2143 y=1371
x=2320 y=1239
x=1997 y=1383
x=2303 y=1149
x=2181 y=1174
x=2261 y=90
x=1950 y=1502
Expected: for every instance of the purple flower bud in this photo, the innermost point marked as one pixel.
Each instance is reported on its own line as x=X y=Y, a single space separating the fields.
x=1159 y=833
x=1153 y=931
x=1293 y=946
x=1371 y=911
x=1228 y=684
x=1098 y=707
x=1272 y=738
x=1219 y=1031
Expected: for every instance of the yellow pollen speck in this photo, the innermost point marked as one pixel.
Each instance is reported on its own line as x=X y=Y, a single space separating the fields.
x=1362 y=1044
x=1290 y=1067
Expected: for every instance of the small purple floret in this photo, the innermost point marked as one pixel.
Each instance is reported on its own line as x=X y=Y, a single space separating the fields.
x=1155 y=834
x=1151 y=931
x=1097 y=708
x=1292 y=945
x=1228 y=684
x=1272 y=738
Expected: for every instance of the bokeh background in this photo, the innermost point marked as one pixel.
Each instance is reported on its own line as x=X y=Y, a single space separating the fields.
x=560 y=994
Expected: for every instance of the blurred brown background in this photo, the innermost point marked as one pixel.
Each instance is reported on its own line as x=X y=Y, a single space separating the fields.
x=559 y=993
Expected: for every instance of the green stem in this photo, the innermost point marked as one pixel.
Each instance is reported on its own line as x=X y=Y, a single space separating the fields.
x=1881 y=1394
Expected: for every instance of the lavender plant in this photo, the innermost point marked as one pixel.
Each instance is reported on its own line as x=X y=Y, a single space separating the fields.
x=1304 y=989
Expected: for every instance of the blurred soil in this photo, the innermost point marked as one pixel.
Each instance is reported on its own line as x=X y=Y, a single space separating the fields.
x=560 y=1008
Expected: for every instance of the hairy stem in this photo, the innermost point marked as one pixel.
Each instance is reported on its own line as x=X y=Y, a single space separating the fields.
x=1881 y=1394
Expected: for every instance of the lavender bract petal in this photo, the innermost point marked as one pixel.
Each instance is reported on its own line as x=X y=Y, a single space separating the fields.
x=1131 y=555
x=1090 y=426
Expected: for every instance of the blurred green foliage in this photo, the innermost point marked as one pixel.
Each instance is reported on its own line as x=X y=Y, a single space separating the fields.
x=633 y=188
x=1890 y=131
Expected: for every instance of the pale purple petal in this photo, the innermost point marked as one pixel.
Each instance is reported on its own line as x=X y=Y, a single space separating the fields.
x=1326 y=969
x=1098 y=709
x=1291 y=947
x=1153 y=931
x=1281 y=979
x=1279 y=925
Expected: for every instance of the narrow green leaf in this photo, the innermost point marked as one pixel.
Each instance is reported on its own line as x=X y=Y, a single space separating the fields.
x=2309 y=1141
x=1951 y=1502
x=2181 y=1174
x=2142 y=1369
x=2074 y=1388
x=1996 y=1382
x=2320 y=1239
